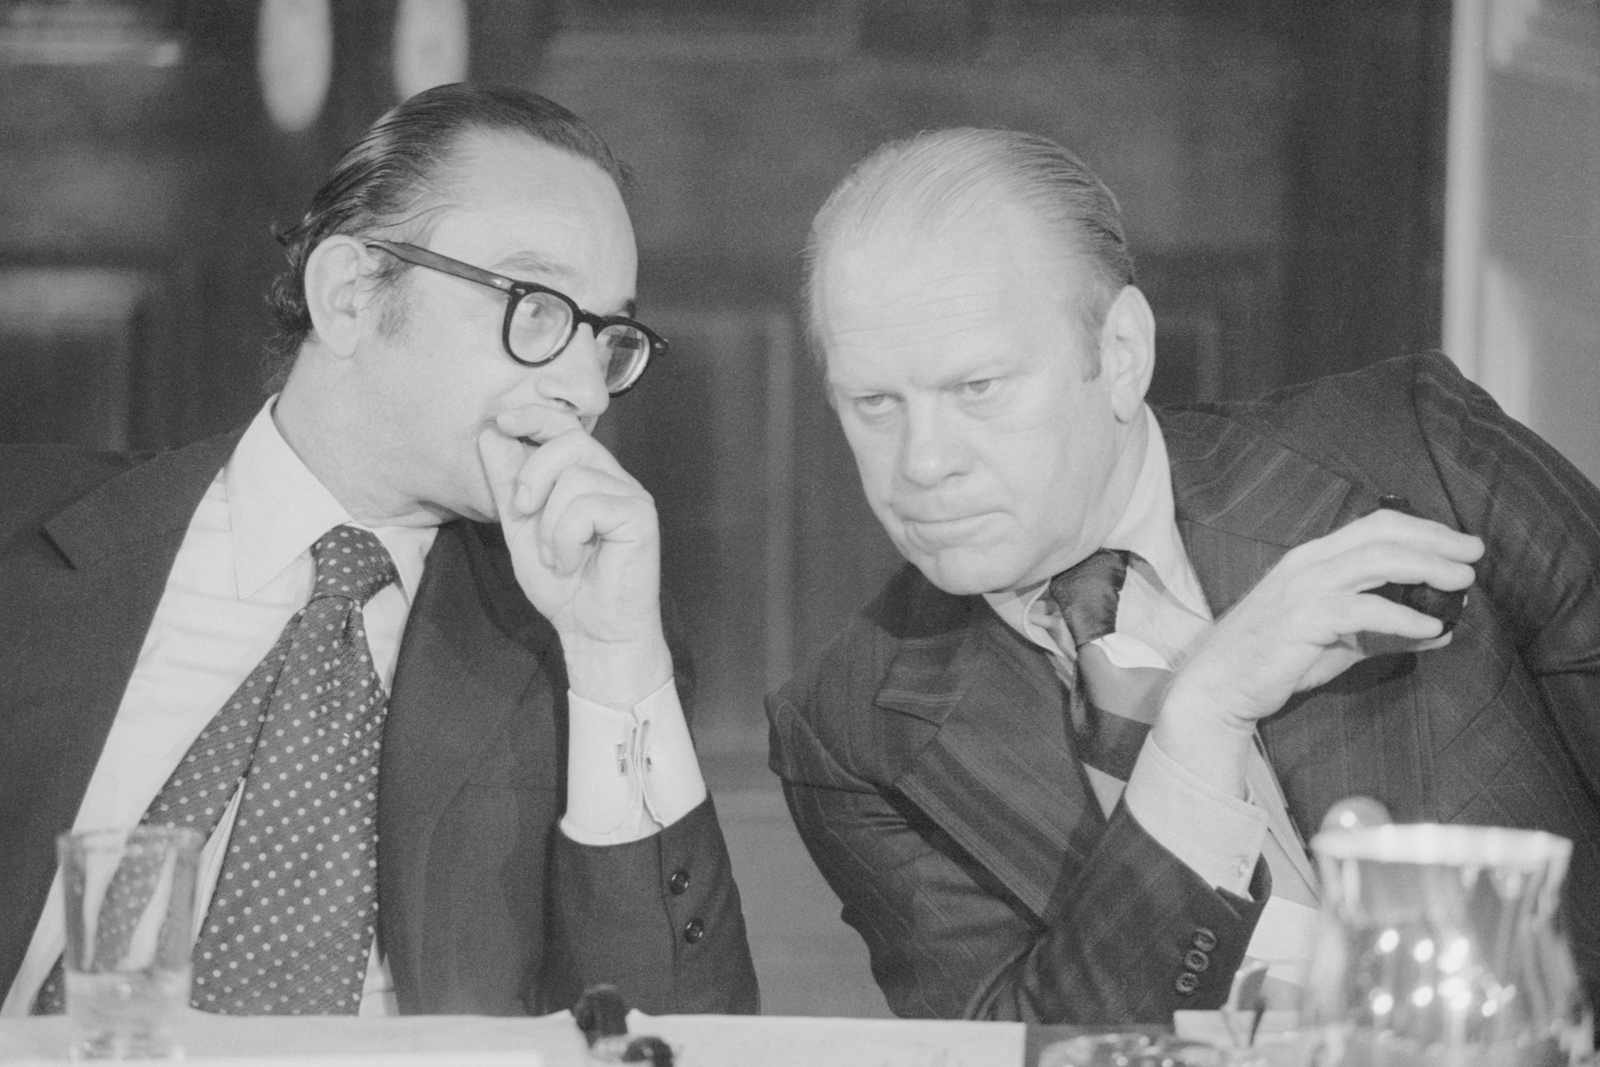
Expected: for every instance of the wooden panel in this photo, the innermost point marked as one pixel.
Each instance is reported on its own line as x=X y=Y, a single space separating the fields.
x=72 y=342
x=135 y=137
x=709 y=433
x=1364 y=242
x=1216 y=314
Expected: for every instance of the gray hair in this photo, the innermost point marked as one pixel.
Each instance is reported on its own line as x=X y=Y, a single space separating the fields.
x=942 y=175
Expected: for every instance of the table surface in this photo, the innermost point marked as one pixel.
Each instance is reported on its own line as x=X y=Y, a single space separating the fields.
x=554 y=1040
x=482 y=1041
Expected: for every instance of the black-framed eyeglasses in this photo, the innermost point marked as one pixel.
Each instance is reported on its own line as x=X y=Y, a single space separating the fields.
x=540 y=321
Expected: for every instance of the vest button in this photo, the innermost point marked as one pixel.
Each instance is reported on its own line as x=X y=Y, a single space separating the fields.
x=679 y=882
x=693 y=931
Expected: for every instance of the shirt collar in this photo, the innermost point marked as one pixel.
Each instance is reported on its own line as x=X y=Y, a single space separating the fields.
x=1148 y=526
x=277 y=509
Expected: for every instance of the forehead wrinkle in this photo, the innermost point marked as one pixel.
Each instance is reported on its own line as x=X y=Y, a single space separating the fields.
x=978 y=300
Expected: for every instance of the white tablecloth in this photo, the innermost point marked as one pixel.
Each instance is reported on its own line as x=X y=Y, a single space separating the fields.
x=554 y=1041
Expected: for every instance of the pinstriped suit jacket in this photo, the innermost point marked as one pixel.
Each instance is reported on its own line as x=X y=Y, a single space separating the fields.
x=925 y=760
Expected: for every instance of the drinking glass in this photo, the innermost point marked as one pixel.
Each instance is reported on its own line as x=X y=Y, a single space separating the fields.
x=1439 y=946
x=130 y=897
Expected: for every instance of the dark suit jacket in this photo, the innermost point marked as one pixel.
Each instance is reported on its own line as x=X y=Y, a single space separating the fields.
x=484 y=906
x=926 y=763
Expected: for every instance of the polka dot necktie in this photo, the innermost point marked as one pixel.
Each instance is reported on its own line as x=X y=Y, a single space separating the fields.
x=295 y=906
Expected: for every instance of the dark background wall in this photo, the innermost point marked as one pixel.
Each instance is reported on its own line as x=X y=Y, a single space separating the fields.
x=1280 y=165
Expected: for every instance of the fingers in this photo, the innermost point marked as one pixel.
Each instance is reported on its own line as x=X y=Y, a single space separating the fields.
x=570 y=490
x=502 y=458
x=536 y=422
x=1376 y=644
x=1369 y=614
x=1396 y=528
x=1370 y=565
x=1329 y=582
x=555 y=441
x=569 y=527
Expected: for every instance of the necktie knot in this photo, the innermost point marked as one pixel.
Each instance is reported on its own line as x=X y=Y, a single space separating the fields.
x=351 y=563
x=1086 y=594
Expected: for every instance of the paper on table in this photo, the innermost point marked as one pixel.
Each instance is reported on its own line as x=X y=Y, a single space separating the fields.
x=780 y=1041
x=355 y=1059
x=1279 y=1042
x=344 y=1041
x=1212 y=1028
x=553 y=1041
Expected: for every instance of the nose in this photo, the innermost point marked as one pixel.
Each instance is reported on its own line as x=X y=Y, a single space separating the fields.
x=931 y=449
x=575 y=379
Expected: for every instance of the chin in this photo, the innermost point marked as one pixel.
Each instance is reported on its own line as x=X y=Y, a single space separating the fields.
x=467 y=508
x=967 y=573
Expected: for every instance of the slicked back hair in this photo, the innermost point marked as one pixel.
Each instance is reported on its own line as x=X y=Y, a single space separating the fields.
x=395 y=179
x=938 y=177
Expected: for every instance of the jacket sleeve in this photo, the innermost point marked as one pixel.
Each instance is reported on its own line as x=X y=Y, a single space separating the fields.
x=1539 y=518
x=946 y=941
x=659 y=918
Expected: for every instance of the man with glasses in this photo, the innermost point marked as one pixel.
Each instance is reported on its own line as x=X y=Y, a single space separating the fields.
x=395 y=648
x=1064 y=766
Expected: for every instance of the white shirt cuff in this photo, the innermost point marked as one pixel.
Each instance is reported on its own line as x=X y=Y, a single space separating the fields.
x=1217 y=836
x=629 y=774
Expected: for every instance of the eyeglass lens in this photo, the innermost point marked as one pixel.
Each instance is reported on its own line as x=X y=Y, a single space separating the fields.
x=541 y=325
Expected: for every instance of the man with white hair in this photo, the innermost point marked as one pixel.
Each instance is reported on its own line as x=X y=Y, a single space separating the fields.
x=1064 y=766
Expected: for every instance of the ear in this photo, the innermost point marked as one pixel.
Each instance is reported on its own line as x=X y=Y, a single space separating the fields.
x=337 y=292
x=1128 y=351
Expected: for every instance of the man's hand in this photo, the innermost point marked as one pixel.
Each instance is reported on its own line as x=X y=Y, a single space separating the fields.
x=585 y=545
x=1307 y=621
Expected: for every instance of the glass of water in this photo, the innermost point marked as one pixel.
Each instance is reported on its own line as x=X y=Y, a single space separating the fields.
x=130 y=897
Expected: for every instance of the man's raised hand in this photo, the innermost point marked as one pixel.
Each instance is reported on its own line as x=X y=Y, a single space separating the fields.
x=585 y=544
x=1309 y=619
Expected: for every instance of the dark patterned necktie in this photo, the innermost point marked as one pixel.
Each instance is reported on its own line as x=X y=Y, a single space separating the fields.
x=295 y=906
x=1112 y=707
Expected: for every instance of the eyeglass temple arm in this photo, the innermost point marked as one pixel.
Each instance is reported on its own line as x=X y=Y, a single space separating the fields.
x=424 y=258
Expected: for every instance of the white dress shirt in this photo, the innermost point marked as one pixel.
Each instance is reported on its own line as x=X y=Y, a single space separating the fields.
x=243 y=570
x=1161 y=616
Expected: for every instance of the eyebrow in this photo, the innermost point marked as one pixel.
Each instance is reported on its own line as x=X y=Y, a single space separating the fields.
x=520 y=263
x=533 y=263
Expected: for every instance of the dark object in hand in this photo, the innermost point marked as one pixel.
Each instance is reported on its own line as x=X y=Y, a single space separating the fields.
x=1442 y=605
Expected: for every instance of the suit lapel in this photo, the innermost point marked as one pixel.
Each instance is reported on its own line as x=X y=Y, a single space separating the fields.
x=1243 y=500
x=475 y=663
x=997 y=775
x=79 y=599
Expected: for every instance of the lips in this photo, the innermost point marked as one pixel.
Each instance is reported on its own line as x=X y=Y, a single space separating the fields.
x=934 y=533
